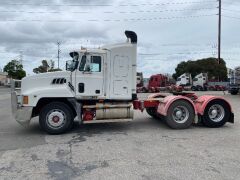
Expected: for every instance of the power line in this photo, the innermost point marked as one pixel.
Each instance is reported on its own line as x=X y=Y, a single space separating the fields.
x=107 y=12
x=232 y=17
x=91 y=5
x=231 y=10
x=169 y=3
x=107 y=20
x=184 y=53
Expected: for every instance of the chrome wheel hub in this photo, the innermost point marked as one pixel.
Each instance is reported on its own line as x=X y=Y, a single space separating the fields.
x=216 y=113
x=56 y=118
x=180 y=114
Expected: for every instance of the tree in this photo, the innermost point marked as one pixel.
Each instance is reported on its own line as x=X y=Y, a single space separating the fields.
x=46 y=67
x=14 y=70
x=208 y=65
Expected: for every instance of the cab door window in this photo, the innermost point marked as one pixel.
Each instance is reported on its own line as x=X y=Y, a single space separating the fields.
x=90 y=64
x=95 y=65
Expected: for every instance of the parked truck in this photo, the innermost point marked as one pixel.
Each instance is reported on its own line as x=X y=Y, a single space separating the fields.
x=140 y=79
x=184 y=80
x=99 y=86
x=157 y=83
x=234 y=84
x=199 y=83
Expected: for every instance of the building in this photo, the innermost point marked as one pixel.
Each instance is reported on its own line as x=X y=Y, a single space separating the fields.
x=4 y=80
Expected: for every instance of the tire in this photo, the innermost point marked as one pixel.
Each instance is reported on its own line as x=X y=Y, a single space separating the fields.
x=56 y=118
x=193 y=88
x=234 y=92
x=188 y=114
x=144 y=90
x=223 y=114
x=153 y=112
x=199 y=88
x=205 y=88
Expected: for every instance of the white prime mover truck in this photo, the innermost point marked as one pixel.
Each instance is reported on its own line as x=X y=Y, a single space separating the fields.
x=184 y=80
x=100 y=86
x=198 y=83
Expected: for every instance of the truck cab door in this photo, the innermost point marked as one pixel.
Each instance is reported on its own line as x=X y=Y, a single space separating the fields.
x=89 y=77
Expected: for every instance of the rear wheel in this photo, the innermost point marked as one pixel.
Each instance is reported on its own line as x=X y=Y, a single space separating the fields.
x=56 y=118
x=153 y=112
x=216 y=114
x=180 y=115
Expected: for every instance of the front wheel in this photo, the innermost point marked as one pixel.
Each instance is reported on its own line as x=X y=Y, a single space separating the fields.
x=193 y=88
x=199 y=88
x=56 y=118
x=180 y=115
x=216 y=114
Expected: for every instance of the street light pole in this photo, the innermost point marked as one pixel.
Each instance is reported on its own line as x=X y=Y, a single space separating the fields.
x=58 y=56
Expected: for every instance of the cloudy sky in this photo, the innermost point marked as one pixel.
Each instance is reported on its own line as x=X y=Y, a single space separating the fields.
x=168 y=31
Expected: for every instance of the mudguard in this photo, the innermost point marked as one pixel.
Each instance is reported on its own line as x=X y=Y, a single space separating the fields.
x=203 y=101
x=168 y=100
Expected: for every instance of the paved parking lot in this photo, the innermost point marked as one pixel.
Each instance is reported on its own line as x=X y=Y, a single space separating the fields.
x=142 y=149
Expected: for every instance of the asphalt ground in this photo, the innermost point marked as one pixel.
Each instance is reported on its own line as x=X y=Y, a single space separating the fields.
x=142 y=149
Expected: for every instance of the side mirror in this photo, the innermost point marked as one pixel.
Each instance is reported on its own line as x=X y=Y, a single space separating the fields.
x=71 y=65
x=68 y=67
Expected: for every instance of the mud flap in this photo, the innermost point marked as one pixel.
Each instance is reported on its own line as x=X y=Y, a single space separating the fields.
x=231 y=119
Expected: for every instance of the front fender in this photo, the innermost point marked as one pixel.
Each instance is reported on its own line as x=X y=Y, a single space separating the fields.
x=49 y=92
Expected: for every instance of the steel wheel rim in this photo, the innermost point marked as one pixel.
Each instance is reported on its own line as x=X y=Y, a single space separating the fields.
x=180 y=114
x=56 y=118
x=216 y=113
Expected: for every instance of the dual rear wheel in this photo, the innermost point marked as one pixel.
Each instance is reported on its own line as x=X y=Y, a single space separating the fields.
x=180 y=114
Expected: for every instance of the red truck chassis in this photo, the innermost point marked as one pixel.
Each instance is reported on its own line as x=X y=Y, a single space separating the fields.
x=180 y=110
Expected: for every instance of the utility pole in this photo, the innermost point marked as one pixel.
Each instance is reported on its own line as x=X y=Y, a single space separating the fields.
x=59 y=51
x=219 y=29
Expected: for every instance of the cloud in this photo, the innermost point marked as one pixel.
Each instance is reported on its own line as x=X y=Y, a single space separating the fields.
x=168 y=38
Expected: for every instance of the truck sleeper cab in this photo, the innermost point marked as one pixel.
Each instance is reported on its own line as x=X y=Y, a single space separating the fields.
x=100 y=86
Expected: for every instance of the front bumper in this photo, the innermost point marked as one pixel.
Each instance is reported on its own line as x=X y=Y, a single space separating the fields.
x=21 y=114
